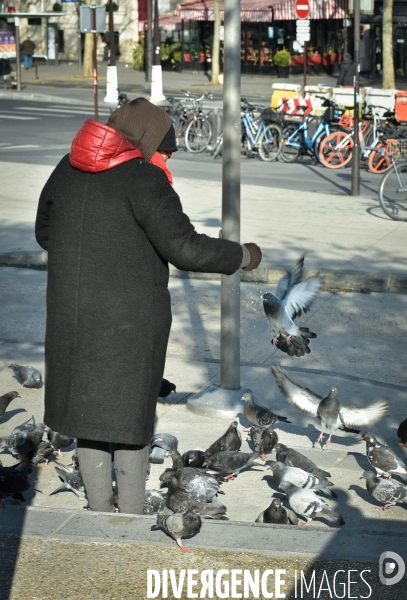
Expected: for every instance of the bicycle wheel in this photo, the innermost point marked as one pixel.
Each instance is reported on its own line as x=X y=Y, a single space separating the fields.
x=198 y=134
x=393 y=192
x=270 y=143
x=335 y=151
x=379 y=159
x=290 y=144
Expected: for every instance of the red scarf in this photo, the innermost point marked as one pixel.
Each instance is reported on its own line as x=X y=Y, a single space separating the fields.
x=158 y=161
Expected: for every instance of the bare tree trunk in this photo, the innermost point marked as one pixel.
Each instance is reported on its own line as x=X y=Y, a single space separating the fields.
x=216 y=44
x=87 y=52
x=388 y=62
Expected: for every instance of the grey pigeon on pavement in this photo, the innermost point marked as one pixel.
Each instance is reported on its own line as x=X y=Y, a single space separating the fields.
x=385 y=491
x=194 y=458
x=263 y=439
x=71 y=480
x=180 y=525
x=293 y=458
x=300 y=478
x=382 y=458
x=230 y=440
x=402 y=432
x=328 y=410
x=154 y=502
x=161 y=444
x=165 y=390
x=230 y=463
x=180 y=500
x=277 y=514
x=42 y=453
x=307 y=504
x=59 y=440
x=292 y=297
x=257 y=415
x=13 y=483
x=24 y=440
x=5 y=401
x=26 y=375
x=191 y=479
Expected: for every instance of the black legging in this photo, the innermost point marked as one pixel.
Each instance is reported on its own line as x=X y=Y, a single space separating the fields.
x=131 y=464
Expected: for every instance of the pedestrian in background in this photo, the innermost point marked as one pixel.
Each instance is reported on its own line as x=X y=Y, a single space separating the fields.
x=27 y=50
x=346 y=71
x=6 y=69
x=111 y=221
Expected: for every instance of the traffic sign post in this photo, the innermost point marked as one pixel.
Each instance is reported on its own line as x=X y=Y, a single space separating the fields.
x=302 y=10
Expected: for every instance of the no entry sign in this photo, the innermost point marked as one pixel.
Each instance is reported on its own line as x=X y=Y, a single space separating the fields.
x=302 y=9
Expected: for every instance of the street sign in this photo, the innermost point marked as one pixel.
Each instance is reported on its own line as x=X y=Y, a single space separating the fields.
x=302 y=9
x=303 y=33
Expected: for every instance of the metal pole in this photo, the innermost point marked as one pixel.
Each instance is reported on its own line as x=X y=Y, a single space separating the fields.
x=112 y=57
x=230 y=286
x=95 y=67
x=149 y=39
x=18 y=55
x=355 y=189
x=79 y=49
x=305 y=66
x=156 y=55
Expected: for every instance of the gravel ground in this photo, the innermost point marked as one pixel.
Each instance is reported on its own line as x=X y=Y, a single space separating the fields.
x=42 y=569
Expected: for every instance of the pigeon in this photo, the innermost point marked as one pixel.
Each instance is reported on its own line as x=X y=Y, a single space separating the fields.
x=59 y=440
x=277 y=514
x=161 y=444
x=165 y=390
x=13 y=482
x=154 y=502
x=307 y=504
x=402 y=432
x=230 y=440
x=42 y=452
x=194 y=458
x=385 y=491
x=24 y=439
x=230 y=462
x=193 y=480
x=180 y=525
x=71 y=480
x=257 y=415
x=5 y=401
x=264 y=439
x=383 y=459
x=27 y=376
x=180 y=500
x=293 y=458
x=292 y=297
x=328 y=410
x=75 y=461
x=300 y=478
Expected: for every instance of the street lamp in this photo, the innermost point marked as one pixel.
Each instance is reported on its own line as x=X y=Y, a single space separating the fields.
x=355 y=186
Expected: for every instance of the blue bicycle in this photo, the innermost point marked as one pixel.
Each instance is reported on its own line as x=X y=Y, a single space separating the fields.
x=296 y=142
x=258 y=136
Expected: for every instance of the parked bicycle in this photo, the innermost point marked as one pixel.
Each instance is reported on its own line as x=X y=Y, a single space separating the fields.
x=393 y=186
x=296 y=141
x=190 y=122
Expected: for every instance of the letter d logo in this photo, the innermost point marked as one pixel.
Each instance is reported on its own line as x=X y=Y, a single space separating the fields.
x=388 y=568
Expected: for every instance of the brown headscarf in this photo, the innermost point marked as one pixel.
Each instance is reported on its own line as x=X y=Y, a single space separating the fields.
x=142 y=123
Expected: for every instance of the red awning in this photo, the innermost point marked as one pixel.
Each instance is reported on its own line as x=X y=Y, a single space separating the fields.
x=166 y=22
x=320 y=9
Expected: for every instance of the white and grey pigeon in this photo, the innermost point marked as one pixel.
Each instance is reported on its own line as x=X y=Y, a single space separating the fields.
x=154 y=502
x=180 y=525
x=300 y=478
x=328 y=410
x=277 y=514
x=161 y=444
x=307 y=504
x=258 y=415
x=26 y=375
x=292 y=297
x=385 y=491
x=382 y=458
x=71 y=480
x=24 y=440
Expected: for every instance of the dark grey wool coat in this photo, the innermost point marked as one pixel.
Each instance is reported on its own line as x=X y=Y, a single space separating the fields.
x=109 y=236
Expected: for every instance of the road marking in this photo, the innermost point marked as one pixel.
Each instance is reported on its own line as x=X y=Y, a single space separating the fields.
x=21 y=146
x=19 y=118
x=61 y=110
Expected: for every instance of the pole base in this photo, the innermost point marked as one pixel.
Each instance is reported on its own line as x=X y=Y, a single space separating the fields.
x=156 y=84
x=217 y=402
x=111 y=85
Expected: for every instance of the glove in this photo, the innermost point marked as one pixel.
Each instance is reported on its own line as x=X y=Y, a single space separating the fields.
x=251 y=257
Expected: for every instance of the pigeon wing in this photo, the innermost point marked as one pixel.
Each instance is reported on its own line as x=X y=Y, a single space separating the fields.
x=290 y=278
x=301 y=398
x=362 y=418
x=300 y=297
